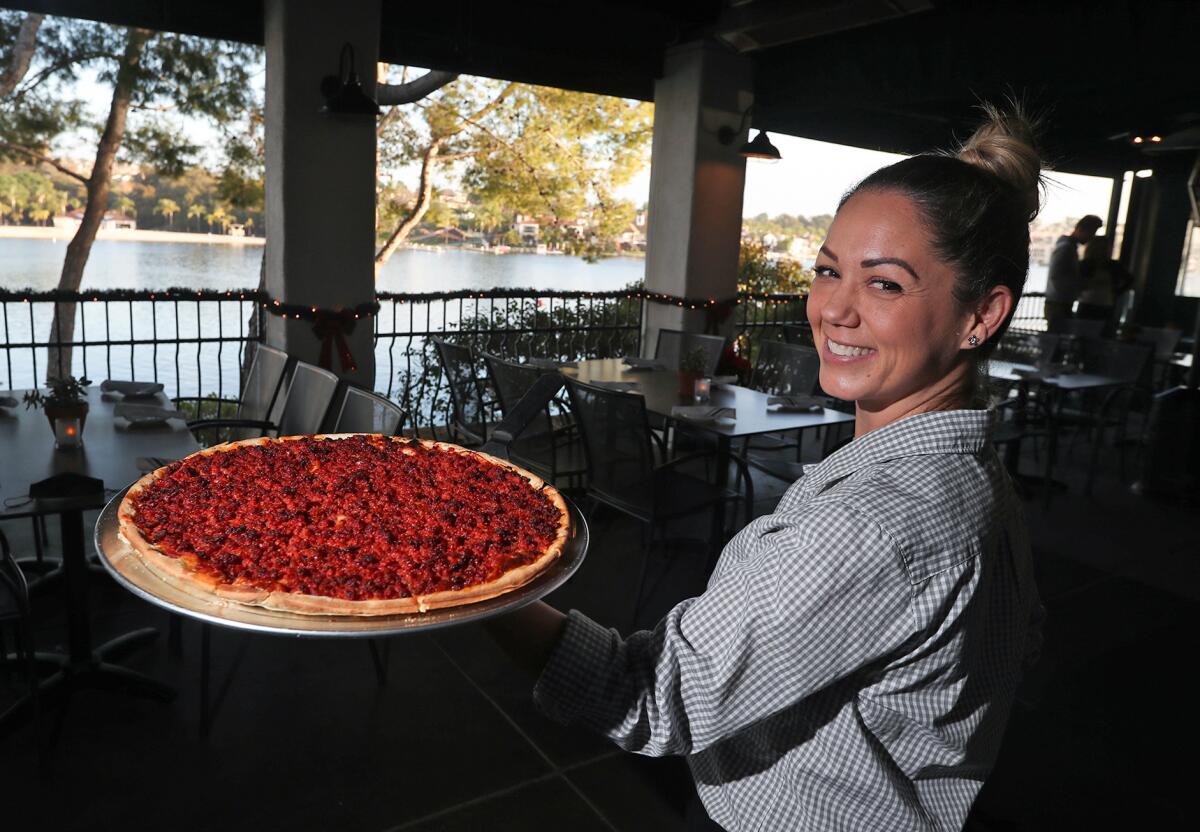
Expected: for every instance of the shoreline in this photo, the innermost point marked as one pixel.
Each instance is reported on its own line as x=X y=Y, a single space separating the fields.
x=33 y=232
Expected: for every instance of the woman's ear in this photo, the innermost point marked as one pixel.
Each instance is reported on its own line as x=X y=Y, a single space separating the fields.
x=989 y=313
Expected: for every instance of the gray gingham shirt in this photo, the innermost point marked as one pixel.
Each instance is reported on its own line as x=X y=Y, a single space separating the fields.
x=852 y=662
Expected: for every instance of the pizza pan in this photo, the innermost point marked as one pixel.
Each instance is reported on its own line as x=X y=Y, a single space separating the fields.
x=121 y=562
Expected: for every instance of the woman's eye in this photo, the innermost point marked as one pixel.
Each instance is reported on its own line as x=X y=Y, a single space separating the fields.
x=886 y=285
x=824 y=271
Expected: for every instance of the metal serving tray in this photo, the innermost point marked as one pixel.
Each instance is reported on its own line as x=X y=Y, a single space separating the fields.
x=121 y=562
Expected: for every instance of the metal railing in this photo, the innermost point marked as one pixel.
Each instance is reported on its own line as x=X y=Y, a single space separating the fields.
x=194 y=341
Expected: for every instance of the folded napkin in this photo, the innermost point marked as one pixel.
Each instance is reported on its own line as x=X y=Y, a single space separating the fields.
x=623 y=386
x=794 y=404
x=145 y=414
x=643 y=363
x=132 y=389
x=551 y=364
x=703 y=413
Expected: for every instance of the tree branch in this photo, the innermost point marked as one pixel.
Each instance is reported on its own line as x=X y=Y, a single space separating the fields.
x=38 y=157
x=23 y=48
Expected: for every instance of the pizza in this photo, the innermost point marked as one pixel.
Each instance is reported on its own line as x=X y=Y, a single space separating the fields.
x=344 y=524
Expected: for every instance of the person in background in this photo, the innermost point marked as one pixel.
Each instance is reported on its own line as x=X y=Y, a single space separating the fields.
x=1064 y=283
x=1103 y=279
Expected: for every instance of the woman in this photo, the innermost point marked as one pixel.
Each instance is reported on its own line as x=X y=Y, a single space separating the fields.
x=853 y=659
x=1104 y=280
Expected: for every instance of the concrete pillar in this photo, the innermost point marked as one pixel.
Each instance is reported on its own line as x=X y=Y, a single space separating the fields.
x=696 y=182
x=1163 y=213
x=320 y=188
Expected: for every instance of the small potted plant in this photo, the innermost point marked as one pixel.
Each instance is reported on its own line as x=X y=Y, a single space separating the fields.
x=67 y=400
x=692 y=365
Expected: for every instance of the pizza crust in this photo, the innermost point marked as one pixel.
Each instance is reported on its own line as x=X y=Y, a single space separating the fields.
x=180 y=572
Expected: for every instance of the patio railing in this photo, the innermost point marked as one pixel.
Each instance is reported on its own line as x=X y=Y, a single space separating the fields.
x=194 y=341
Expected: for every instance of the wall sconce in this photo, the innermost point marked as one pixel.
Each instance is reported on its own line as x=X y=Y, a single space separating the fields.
x=344 y=94
x=759 y=148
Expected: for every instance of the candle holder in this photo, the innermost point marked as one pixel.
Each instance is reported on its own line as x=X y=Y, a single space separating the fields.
x=68 y=432
x=702 y=390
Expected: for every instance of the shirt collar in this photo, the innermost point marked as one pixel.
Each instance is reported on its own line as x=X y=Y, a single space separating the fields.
x=937 y=432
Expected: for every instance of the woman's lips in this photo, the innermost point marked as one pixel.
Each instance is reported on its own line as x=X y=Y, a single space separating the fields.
x=845 y=353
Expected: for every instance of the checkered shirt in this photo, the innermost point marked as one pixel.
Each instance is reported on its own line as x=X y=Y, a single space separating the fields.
x=852 y=663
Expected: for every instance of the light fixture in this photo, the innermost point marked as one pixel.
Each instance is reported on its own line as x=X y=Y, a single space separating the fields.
x=759 y=148
x=1144 y=173
x=344 y=94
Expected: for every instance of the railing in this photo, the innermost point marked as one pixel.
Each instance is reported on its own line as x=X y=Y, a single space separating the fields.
x=194 y=341
x=1030 y=315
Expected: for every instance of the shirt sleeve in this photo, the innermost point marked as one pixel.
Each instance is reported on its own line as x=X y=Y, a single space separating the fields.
x=797 y=603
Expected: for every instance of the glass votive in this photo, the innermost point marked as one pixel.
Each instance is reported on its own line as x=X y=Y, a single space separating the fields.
x=702 y=390
x=67 y=432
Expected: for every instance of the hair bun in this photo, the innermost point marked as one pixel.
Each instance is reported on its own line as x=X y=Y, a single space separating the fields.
x=1004 y=146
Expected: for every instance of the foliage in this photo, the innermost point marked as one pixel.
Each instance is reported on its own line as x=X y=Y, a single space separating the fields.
x=64 y=392
x=693 y=361
x=787 y=227
x=762 y=274
x=554 y=155
x=29 y=196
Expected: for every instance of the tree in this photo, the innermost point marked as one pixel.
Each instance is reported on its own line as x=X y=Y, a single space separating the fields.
x=550 y=153
x=167 y=208
x=153 y=75
x=196 y=211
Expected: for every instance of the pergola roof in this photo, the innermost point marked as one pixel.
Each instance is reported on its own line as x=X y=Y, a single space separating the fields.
x=898 y=75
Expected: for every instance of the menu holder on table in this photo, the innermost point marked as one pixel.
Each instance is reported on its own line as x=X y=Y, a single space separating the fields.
x=635 y=363
x=132 y=389
x=794 y=404
x=145 y=415
x=705 y=414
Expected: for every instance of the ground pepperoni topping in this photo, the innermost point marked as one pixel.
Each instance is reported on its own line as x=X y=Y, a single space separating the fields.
x=359 y=518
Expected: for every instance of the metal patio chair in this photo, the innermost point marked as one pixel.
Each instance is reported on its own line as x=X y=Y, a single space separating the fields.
x=467 y=387
x=673 y=344
x=553 y=451
x=15 y=610
x=362 y=411
x=300 y=409
x=260 y=395
x=627 y=471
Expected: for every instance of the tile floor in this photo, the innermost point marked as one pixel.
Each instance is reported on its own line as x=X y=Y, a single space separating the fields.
x=305 y=737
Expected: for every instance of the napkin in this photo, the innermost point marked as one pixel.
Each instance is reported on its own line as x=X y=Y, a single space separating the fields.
x=794 y=404
x=145 y=414
x=703 y=413
x=551 y=364
x=643 y=363
x=132 y=389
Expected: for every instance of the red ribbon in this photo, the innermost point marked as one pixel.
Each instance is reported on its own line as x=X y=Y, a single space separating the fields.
x=332 y=326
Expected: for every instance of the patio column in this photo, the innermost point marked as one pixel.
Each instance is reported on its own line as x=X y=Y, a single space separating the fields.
x=695 y=208
x=1160 y=227
x=320 y=175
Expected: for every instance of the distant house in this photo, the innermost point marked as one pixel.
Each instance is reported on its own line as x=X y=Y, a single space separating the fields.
x=453 y=199
x=237 y=229
x=527 y=229
x=112 y=220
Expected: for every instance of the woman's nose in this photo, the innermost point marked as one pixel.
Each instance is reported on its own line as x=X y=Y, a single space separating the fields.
x=838 y=305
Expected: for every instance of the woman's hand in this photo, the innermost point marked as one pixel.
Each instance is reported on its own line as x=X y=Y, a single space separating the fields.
x=529 y=634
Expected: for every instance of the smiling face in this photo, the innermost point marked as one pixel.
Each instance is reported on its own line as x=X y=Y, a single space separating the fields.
x=892 y=337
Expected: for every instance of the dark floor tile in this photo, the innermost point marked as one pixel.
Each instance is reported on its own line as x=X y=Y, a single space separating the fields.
x=637 y=793
x=546 y=804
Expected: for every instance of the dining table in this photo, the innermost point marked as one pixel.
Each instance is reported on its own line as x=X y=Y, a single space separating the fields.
x=38 y=479
x=753 y=413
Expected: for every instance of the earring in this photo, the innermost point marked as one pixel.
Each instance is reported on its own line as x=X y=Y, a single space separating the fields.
x=973 y=341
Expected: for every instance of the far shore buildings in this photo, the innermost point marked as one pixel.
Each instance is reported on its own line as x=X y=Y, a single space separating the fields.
x=112 y=220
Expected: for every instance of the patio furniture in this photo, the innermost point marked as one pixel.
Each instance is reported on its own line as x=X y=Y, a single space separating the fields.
x=14 y=610
x=553 y=451
x=466 y=386
x=673 y=344
x=1131 y=366
x=362 y=411
x=626 y=473
x=783 y=369
x=800 y=334
x=1079 y=327
x=260 y=391
x=300 y=409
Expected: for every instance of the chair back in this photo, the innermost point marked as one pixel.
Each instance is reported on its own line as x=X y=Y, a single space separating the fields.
x=1128 y=362
x=1024 y=347
x=798 y=334
x=14 y=591
x=1079 y=327
x=1163 y=339
x=616 y=440
x=466 y=390
x=307 y=400
x=263 y=382
x=511 y=382
x=365 y=412
x=673 y=344
x=786 y=369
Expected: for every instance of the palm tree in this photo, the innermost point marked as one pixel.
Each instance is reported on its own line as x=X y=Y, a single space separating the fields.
x=195 y=210
x=167 y=208
x=220 y=216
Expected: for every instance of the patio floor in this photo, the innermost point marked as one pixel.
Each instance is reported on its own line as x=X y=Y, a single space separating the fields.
x=305 y=737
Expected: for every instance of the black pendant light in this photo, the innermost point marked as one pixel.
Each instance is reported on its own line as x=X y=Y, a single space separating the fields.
x=760 y=148
x=344 y=94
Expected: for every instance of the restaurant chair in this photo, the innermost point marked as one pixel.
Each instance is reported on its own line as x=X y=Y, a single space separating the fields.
x=1132 y=364
x=260 y=392
x=552 y=450
x=673 y=344
x=15 y=611
x=467 y=387
x=627 y=471
x=299 y=409
x=800 y=334
x=1164 y=341
x=1079 y=327
x=782 y=369
x=362 y=411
